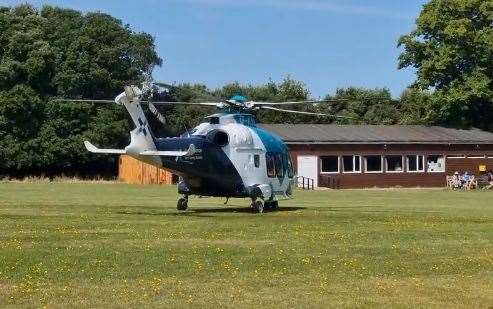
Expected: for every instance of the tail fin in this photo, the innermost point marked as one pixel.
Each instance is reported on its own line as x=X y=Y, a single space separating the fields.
x=141 y=138
x=142 y=144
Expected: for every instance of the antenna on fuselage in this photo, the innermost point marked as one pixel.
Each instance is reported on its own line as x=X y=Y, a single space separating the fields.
x=186 y=130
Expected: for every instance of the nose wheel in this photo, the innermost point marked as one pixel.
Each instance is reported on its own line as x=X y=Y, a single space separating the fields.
x=257 y=206
x=182 y=203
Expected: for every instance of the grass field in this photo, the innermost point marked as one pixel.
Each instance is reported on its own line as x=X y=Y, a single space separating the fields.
x=115 y=245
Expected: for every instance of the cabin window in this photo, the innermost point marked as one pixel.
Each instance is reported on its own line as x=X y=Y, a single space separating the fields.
x=330 y=164
x=256 y=160
x=394 y=164
x=279 y=165
x=271 y=167
x=351 y=164
x=373 y=164
x=435 y=163
x=415 y=163
x=290 y=167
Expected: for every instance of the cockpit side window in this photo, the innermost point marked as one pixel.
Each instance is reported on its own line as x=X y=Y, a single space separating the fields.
x=279 y=166
x=271 y=166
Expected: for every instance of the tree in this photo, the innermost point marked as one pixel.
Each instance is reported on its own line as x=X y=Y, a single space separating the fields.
x=21 y=117
x=417 y=107
x=365 y=106
x=452 y=51
x=60 y=52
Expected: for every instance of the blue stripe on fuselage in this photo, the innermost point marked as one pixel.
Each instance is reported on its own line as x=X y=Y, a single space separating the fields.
x=272 y=142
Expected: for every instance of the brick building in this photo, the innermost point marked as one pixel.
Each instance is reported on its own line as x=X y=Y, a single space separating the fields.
x=359 y=156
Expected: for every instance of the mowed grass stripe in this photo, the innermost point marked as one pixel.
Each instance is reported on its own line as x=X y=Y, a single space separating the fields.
x=113 y=245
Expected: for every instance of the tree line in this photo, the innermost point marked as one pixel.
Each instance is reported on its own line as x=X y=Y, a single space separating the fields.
x=56 y=52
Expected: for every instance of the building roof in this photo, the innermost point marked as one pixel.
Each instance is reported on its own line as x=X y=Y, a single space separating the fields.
x=376 y=134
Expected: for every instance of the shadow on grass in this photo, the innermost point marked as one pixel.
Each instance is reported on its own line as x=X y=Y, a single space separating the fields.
x=241 y=209
x=202 y=212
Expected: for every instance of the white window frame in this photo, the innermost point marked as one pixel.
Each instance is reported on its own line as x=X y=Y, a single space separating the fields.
x=490 y=156
x=354 y=163
x=477 y=157
x=459 y=156
x=366 y=165
x=444 y=163
x=387 y=164
x=338 y=164
x=417 y=163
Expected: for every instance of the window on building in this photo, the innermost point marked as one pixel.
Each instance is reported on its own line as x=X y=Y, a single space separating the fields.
x=373 y=164
x=279 y=165
x=415 y=163
x=393 y=164
x=256 y=160
x=330 y=164
x=351 y=164
x=435 y=163
x=271 y=166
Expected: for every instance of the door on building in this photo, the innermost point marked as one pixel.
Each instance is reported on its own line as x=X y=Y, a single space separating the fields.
x=308 y=167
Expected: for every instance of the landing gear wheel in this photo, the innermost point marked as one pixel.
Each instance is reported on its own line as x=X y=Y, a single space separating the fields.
x=258 y=206
x=182 y=203
x=271 y=205
x=274 y=205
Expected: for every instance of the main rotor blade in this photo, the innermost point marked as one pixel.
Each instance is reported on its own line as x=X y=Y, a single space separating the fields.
x=83 y=100
x=217 y=104
x=183 y=103
x=164 y=84
x=143 y=102
x=296 y=102
x=304 y=113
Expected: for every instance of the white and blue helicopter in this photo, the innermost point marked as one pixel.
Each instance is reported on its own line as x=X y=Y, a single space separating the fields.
x=227 y=155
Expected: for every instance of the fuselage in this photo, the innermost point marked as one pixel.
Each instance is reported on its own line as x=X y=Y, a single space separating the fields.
x=233 y=157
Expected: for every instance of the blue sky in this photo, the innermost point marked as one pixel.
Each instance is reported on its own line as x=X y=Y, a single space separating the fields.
x=327 y=44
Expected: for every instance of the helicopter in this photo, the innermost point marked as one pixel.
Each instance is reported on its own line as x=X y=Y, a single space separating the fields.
x=226 y=155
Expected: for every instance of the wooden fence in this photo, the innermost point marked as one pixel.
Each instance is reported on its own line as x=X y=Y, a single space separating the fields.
x=134 y=171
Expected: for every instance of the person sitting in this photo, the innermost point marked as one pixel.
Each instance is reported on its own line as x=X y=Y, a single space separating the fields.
x=472 y=183
x=490 y=180
x=465 y=178
x=456 y=182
